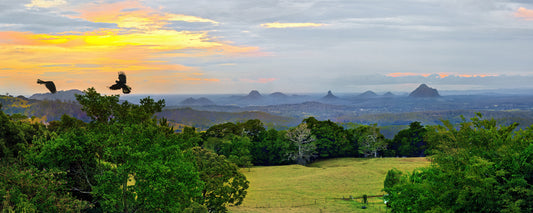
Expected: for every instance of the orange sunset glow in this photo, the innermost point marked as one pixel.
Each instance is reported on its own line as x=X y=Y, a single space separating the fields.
x=140 y=46
x=440 y=75
x=524 y=13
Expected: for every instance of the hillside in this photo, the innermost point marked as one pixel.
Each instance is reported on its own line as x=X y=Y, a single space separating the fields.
x=49 y=109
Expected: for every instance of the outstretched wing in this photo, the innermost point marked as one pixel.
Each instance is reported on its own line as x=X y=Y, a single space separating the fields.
x=122 y=77
x=115 y=86
x=51 y=86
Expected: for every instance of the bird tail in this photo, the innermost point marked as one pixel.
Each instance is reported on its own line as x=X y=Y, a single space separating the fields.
x=39 y=81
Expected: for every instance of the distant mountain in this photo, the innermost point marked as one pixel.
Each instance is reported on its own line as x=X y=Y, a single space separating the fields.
x=368 y=94
x=330 y=96
x=253 y=95
x=197 y=102
x=278 y=95
x=59 y=95
x=388 y=94
x=423 y=91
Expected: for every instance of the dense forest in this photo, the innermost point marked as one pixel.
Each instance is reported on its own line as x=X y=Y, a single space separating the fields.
x=125 y=159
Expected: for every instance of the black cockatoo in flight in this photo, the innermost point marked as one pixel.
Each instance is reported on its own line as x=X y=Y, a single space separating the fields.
x=121 y=84
x=49 y=84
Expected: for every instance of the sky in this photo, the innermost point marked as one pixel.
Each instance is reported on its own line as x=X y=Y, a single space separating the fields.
x=290 y=46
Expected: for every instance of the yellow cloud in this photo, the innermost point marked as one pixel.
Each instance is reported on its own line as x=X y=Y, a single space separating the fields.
x=142 y=46
x=45 y=3
x=132 y=14
x=524 y=13
x=290 y=25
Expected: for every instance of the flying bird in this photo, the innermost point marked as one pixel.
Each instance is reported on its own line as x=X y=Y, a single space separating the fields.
x=49 y=84
x=121 y=84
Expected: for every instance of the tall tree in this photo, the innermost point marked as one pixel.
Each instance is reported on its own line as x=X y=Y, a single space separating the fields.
x=305 y=148
x=332 y=140
x=224 y=184
x=410 y=142
x=371 y=142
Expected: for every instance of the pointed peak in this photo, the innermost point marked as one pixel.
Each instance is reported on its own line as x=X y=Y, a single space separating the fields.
x=424 y=91
x=330 y=96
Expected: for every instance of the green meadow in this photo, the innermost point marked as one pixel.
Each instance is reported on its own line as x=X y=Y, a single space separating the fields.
x=323 y=186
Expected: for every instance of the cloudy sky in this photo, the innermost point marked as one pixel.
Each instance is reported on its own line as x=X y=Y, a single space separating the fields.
x=292 y=46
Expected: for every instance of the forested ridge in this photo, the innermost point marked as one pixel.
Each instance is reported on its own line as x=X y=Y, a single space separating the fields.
x=125 y=159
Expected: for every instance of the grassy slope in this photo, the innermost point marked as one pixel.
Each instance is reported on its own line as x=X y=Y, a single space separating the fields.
x=296 y=188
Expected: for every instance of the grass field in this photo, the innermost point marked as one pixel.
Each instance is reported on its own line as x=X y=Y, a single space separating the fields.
x=321 y=186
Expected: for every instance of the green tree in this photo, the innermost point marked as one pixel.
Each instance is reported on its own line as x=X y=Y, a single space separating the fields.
x=477 y=167
x=410 y=142
x=237 y=150
x=224 y=184
x=332 y=140
x=273 y=149
x=27 y=189
x=124 y=161
x=99 y=108
x=146 y=171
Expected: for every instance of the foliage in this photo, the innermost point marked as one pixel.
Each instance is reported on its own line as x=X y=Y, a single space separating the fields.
x=479 y=167
x=409 y=142
x=224 y=184
x=107 y=108
x=124 y=161
x=26 y=189
x=272 y=149
x=332 y=140
x=17 y=132
x=301 y=137
x=237 y=150
x=393 y=177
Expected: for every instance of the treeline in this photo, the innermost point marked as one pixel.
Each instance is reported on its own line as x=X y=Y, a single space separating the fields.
x=250 y=143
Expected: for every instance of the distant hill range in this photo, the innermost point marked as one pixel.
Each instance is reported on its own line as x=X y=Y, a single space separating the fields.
x=368 y=94
x=59 y=95
x=278 y=95
x=423 y=91
x=197 y=102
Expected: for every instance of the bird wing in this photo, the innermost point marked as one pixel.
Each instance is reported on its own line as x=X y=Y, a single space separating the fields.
x=51 y=86
x=115 y=86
